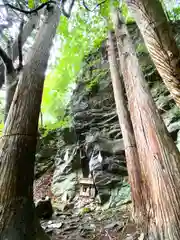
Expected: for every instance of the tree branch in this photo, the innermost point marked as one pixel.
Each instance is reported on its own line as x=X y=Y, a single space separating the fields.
x=9 y=47
x=20 y=46
x=67 y=14
x=7 y=61
x=91 y=10
x=29 y=11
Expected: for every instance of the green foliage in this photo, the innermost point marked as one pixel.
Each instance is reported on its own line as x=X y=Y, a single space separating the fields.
x=141 y=49
x=172 y=9
x=105 y=9
x=84 y=211
x=76 y=38
x=174 y=14
x=31 y=3
x=98 y=75
x=62 y=123
x=1 y=127
x=125 y=13
x=93 y=83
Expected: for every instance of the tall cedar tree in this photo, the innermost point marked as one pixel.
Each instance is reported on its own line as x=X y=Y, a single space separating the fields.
x=132 y=157
x=158 y=155
x=18 y=144
x=160 y=42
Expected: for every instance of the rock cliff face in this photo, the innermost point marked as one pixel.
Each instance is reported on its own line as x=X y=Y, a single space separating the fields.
x=93 y=144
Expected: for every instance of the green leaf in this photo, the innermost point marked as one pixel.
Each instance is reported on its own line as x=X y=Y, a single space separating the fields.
x=125 y=13
x=105 y=9
x=31 y=3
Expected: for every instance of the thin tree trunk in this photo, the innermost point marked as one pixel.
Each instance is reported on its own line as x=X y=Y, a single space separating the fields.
x=158 y=155
x=18 y=143
x=160 y=42
x=28 y=28
x=41 y=119
x=132 y=159
x=11 y=75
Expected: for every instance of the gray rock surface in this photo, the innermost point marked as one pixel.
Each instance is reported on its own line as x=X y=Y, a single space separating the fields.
x=65 y=178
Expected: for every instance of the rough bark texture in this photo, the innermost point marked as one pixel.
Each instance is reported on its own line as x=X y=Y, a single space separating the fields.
x=18 y=143
x=132 y=158
x=159 y=40
x=28 y=28
x=11 y=80
x=158 y=155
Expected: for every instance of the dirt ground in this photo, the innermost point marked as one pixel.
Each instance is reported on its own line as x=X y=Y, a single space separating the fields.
x=111 y=224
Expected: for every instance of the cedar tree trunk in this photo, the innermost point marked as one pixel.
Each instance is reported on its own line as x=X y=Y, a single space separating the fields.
x=18 y=144
x=158 y=155
x=132 y=158
x=160 y=42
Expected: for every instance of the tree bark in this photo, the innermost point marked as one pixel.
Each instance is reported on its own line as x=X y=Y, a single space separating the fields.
x=160 y=42
x=11 y=81
x=158 y=155
x=132 y=158
x=18 y=144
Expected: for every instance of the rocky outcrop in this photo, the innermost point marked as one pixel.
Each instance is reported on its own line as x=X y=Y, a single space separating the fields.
x=66 y=174
x=97 y=148
x=46 y=150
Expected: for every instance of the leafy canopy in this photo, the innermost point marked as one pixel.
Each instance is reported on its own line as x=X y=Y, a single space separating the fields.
x=76 y=37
